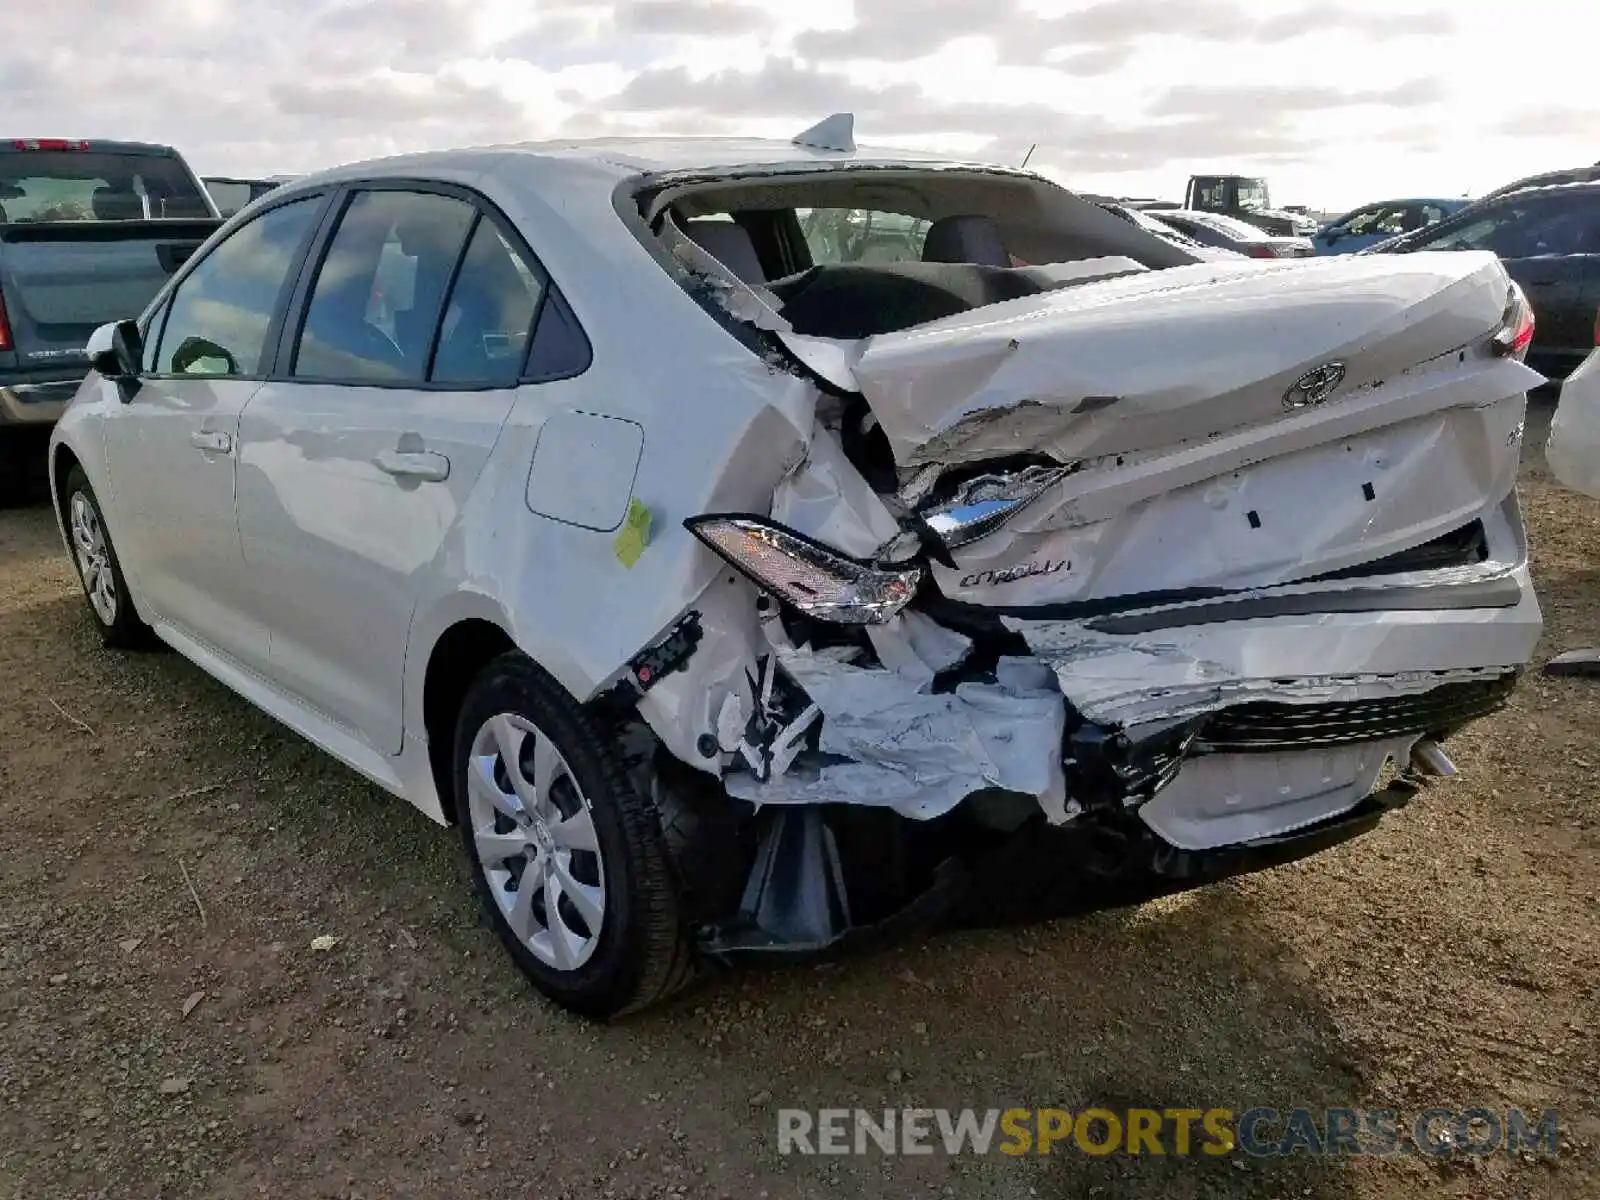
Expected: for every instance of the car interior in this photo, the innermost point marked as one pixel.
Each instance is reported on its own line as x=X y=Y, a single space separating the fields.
x=984 y=235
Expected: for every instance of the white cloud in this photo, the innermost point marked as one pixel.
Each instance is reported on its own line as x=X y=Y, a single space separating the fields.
x=1335 y=101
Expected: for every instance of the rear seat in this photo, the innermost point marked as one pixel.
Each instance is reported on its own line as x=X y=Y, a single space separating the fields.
x=964 y=266
x=729 y=244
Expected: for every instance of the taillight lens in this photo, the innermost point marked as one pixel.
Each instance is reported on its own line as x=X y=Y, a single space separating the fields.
x=5 y=326
x=1515 y=334
x=816 y=580
x=1261 y=252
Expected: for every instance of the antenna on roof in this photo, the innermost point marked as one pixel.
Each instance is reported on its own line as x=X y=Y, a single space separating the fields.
x=831 y=133
x=1028 y=155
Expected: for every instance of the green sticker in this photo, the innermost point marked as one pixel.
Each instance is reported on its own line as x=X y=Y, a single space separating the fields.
x=634 y=535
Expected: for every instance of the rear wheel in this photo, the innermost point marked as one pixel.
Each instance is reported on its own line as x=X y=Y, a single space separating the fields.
x=566 y=856
x=104 y=585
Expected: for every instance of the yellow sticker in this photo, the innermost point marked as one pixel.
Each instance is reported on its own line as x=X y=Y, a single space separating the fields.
x=634 y=535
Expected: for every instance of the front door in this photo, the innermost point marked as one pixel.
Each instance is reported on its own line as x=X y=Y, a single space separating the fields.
x=171 y=450
x=356 y=465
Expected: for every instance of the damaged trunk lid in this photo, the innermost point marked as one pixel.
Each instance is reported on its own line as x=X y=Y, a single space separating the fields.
x=1200 y=429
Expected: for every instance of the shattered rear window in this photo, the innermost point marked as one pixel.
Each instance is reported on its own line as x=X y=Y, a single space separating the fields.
x=859 y=235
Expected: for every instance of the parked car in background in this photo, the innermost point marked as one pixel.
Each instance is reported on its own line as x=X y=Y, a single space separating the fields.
x=1573 y=447
x=1587 y=174
x=1549 y=240
x=89 y=231
x=232 y=194
x=1152 y=224
x=1245 y=198
x=1374 y=223
x=1214 y=229
x=732 y=599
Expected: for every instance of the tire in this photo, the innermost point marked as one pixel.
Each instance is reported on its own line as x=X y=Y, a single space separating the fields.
x=105 y=587
x=619 y=941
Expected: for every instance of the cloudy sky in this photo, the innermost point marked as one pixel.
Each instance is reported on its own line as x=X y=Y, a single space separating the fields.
x=1336 y=102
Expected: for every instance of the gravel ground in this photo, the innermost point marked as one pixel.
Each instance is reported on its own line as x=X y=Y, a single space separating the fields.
x=166 y=1028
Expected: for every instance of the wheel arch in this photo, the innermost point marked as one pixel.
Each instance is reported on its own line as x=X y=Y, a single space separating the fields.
x=62 y=459
x=458 y=654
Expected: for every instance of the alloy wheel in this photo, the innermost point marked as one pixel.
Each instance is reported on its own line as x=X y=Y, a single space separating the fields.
x=534 y=835
x=93 y=558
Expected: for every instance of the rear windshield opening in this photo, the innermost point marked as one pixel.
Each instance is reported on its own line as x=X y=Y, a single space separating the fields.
x=846 y=254
x=49 y=186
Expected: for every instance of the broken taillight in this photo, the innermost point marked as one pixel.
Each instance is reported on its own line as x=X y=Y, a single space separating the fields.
x=807 y=575
x=1515 y=334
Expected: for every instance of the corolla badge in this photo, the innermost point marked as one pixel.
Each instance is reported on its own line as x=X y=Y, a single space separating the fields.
x=1315 y=386
x=1025 y=570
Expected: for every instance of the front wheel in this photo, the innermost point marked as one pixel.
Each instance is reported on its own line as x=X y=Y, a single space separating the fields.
x=104 y=585
x=566 y=856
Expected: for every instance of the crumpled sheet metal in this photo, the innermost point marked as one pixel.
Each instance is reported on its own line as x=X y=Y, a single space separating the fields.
x=1433 y=474
x=1225 y=799
x=917 y=753
x=825 y=498
x=1164 y=357
x=1130 y=680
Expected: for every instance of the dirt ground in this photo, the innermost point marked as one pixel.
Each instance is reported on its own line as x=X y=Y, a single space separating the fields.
x=168 y=855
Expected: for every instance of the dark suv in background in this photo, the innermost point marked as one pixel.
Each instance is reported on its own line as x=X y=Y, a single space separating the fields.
x=1549 y=240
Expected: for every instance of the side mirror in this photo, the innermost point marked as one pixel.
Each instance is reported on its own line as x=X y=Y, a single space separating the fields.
x=116 y=353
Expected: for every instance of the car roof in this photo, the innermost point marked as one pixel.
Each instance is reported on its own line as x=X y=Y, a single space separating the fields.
x=1575 y=185
x=620 y=158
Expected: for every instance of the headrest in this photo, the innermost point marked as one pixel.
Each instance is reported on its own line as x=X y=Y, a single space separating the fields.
x=729 y=244
x=109 y=204
x=965 y=239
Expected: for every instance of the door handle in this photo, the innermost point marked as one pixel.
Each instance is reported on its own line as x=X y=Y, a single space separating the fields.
x=414 y=464
x=212 y=441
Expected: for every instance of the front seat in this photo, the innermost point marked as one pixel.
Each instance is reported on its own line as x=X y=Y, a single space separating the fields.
x=729 y=244
x=965 y=239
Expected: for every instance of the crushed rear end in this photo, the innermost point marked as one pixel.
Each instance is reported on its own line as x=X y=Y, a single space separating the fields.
x=1171 y=572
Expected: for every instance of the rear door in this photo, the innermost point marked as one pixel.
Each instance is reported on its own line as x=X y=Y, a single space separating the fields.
x=358 y=457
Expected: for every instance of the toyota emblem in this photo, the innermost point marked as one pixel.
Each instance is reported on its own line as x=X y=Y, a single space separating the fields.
x=1315 y=386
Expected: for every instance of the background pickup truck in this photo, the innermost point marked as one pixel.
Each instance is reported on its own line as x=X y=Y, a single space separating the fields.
x=89 y=232
x=1243 y=198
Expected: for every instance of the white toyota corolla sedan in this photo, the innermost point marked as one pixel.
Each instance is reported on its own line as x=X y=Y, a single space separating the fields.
x=767 y=546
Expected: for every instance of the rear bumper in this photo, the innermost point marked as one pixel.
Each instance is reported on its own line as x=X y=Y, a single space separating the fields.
x=36 y=399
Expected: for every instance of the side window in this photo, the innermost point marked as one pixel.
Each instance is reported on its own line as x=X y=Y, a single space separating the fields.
x=560 y=348
x=484 y=336
x=1390 y=221
x=216 y=322
x=376 y=300
x=1561 y=226
x=1360 y=224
